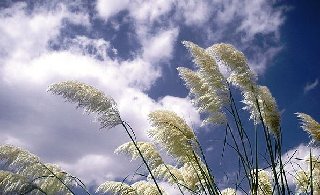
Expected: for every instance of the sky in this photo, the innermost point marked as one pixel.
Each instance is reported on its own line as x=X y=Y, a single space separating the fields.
x=130 y=49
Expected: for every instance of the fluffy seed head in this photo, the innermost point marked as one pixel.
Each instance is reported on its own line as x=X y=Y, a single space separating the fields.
x=148 y=150
x=172 y=133
x=192 y=174
x=22 y=164
x=208 y=68
x=11 y=183
x=260 y=101
x=228 y=191
x=310 y=125
x=168 y=173
x=146 y=188
x=114 y=187
x=205 y=98
x=236 y=61
x=264 y=181
x=91 y=99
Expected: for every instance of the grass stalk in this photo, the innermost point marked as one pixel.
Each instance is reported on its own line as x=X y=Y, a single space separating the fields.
x=143 y=159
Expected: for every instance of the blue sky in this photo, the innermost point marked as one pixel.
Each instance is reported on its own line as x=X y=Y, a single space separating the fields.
x=130 y=49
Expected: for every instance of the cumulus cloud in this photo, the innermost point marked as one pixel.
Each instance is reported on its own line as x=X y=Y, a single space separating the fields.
x=310 y=86
x=52 y=128
x=57 y=132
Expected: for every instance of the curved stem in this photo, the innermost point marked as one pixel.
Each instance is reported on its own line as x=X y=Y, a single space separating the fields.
x=140 y=153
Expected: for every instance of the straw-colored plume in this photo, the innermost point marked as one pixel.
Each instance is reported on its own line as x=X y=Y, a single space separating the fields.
x=148 y=150
x=118 y=188
x=207 y=85
x=91 y=99
x=172 y=133
x=310 y=125
x=228 y=191
x=146 y=188
x=241 y=74
x=23 y=164
x=11 y=183
x=168 y=173
x=260 y=101
x=264 y=182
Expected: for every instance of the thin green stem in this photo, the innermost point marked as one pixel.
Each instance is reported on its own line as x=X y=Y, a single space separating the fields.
x=143 y=159
x=57 y=178
x=256 y=161
x=311 y=174
x=246 y=167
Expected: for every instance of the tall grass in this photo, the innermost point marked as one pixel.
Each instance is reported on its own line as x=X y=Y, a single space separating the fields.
x=212 y=92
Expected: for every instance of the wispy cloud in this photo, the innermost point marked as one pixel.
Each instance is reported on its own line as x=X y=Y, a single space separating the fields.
x=310 y=86
x=234 y=21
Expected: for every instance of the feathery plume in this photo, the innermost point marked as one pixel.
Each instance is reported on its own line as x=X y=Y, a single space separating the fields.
x=148 y=150
x=11 y=183
x=47 y=177
x=91 y=99
x=309 y=125
x=168 y=173
x=208 y=69
x=192 y=175
x=302 y=182
x=260 y=101
x=303 y=178
x=228 y=191
x=146 y=188
x=241 y=74
x=264 y=182
x=172 y=133
x=269 y=110
x=206 y=99
x=267 y=107
x=118 y=188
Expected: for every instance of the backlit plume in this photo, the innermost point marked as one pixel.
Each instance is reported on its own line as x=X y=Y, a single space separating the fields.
x=310 y=125
x=91 y=99
x=172 y=133
x=22 y=172
x=228 y=191
x=148 y=150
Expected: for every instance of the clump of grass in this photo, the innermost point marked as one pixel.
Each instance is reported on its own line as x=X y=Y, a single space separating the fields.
x=211 y=92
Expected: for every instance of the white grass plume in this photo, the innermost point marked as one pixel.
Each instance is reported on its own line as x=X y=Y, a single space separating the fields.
x=172 y=133
x=264 y=181
x=148 y=150
x=22 y=164
x=309 y=125
x=91 y=99
x=118 y=188
x=146 y=188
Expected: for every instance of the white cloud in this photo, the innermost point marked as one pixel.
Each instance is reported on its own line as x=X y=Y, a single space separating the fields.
x=193 y=12
x=108 y=8
x=310 y=86
x=52 y=128
x=92 y=168
x=261 y=57
x=260 y=17
x=232 y=21
x=160 y=46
